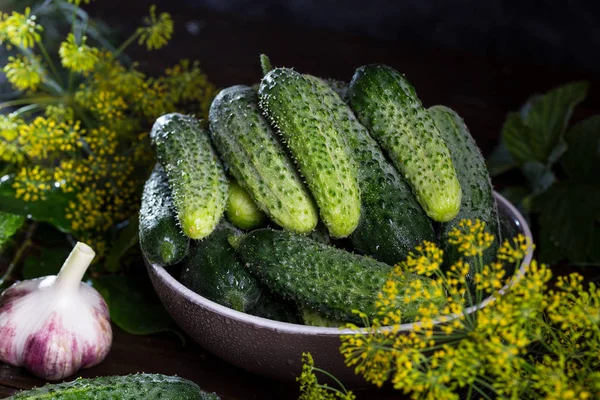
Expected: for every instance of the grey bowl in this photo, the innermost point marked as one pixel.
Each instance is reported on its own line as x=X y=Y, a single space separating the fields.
x=273 y=348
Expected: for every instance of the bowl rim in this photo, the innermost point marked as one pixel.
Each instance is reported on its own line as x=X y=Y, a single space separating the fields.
x=290 y=328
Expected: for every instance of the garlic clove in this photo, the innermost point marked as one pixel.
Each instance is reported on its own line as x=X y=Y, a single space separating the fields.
x=55 y=325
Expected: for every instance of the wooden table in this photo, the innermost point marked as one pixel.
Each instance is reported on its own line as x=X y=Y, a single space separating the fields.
x=481 y=89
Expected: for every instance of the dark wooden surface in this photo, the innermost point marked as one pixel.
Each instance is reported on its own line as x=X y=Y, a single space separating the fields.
x=481 y=89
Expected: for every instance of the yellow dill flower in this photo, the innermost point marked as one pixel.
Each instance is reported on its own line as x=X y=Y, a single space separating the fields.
x=514 y=250
x=187 y=83
x=471 y=237
x=59 y=113
x=22 y=29
x=425 y=260
x=10 y=150
x=102 y=141
x=153 y=100
x=310 y=389
x=22 y=73
x=158 y=31
x=78 y=57
x=105 y=104
x=44 y=137
x=32 y=183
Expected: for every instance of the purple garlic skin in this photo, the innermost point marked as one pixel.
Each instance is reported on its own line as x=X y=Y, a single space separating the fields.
x=53 y=329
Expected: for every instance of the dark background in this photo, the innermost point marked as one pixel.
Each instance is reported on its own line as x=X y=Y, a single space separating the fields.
x=548 y=32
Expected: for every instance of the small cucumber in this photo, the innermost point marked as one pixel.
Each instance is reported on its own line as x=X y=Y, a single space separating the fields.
x=326 y=279
x=387 y=104
x=138 y=386
x=315 y=318
x=294 y=104
x=213 y=270
x=161 y=239
x=273 y=306
x=196 y=177
x=242 y=211
x=478 y=200
x=392 y=222
x=249 y=146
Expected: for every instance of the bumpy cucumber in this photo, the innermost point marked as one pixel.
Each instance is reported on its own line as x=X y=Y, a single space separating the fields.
x=294 y=104
x=392 y=222
x=242 y=211
x=273 y=306
x=258 y=161
x=387 y=104
x=161 y=239
x=196 y=177
x=213 y=270
x=320 y=277
x=315 y=318
x=478 y=200
x=138 y=386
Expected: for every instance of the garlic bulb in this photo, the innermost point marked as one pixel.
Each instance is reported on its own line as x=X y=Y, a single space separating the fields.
x=55 y=325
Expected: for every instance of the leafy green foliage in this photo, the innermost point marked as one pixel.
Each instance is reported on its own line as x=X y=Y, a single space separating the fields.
x=561 y=167
x=9 y=226
x=51 y=209
x=134 y=306
x=48 y=262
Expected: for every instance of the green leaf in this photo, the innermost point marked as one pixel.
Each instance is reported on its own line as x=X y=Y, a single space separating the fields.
x=568 y=215
x=9 y=226
x=125 y=240
x=51 y=210
x=519 y=196
x=539 y=176
x=134 y=306
x=48 y=262
x=582 y=159
x=500 y=160
x=534 y=133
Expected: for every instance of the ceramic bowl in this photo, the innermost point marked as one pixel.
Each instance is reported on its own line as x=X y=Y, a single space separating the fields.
x=273 y=348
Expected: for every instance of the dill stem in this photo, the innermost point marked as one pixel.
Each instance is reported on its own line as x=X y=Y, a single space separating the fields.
x=49 y=61
x=31 y=100
x=126 y=44
x=332 y=377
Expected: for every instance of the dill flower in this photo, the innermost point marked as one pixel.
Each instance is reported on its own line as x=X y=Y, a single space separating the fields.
x=158 y=31
x=22 y=29
x=77 y=57
x=44 y=137
x=10 y=150
x=188 y=83
x=59 y=113
x=22 y=73
x=32 y=183
x=310 y=387
x=471 y=238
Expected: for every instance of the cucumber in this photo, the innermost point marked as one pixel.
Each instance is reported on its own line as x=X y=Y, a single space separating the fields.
x=315 y=318
x=294 y=104
x=273 y=306
x=161 y=239
x=478 y=200
x=392 y=222
x=326 y=279
x=258 y=161
x=213 y=270
x=137 y=386
x=242 y=211
x=387 y=104
x=196 y=177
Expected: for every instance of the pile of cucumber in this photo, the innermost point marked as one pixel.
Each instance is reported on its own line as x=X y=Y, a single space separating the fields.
x=297 y=198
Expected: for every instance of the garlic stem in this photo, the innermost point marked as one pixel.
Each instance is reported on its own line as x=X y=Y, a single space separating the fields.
x=75 y=265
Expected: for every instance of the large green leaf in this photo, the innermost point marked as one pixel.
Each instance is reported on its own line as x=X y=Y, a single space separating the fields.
x=48 y=262
x=134 y=306
x=582 y=159
x=500 y=160
x=9 y=226
x=126 y=238
x=539 y=176
x=536 y=132
x=51 y=210
x=568 y=215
